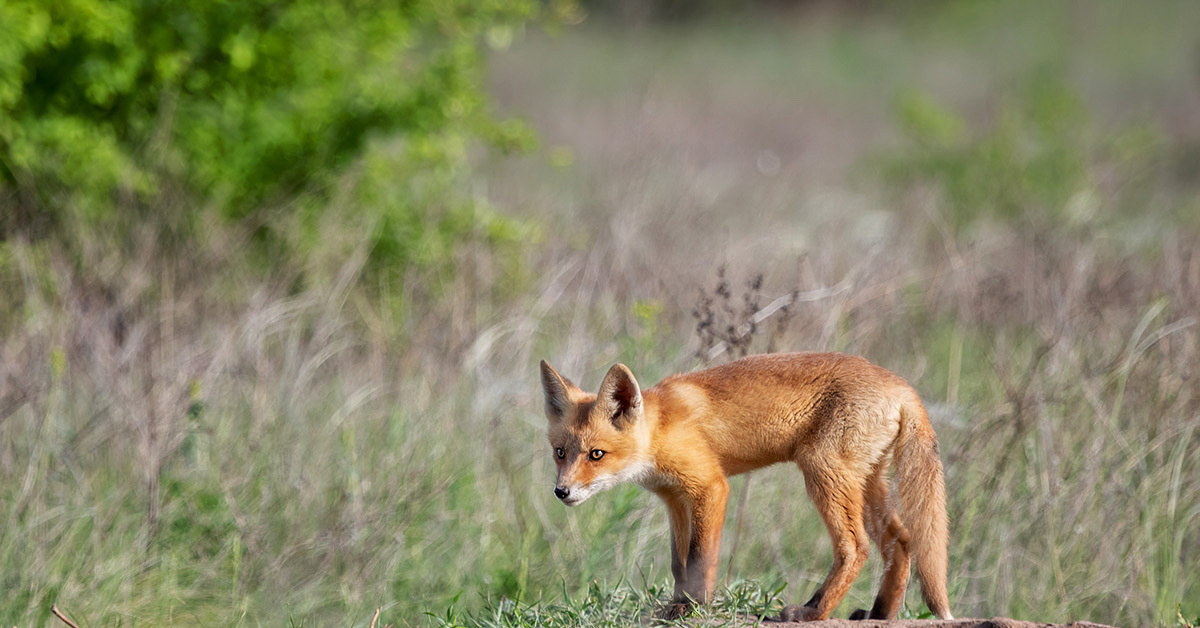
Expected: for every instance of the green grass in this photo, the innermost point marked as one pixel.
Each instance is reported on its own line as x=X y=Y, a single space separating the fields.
x=740 y=603
x=191 y=441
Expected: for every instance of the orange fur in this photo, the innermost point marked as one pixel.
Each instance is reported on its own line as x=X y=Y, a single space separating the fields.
x=841 y=419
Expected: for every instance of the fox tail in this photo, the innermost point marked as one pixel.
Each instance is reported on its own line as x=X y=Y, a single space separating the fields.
x=922 y=491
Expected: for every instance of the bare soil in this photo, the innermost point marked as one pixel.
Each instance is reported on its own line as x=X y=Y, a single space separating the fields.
x=995 y=622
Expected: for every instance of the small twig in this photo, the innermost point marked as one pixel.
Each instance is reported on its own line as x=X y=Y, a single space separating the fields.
x=375 y=618
x=776 y=305
x=59 y=614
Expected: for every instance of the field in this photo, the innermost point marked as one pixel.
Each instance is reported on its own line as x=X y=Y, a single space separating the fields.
x=998 y=201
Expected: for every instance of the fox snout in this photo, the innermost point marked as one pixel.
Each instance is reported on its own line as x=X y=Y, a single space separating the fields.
x=571 y=496
x=566 y=496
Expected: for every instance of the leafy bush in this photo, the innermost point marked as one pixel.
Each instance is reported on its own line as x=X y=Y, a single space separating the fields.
x=1036 y=160
x=111 y=112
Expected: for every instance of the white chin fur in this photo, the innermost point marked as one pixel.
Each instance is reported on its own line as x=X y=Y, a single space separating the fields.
x=578 y=496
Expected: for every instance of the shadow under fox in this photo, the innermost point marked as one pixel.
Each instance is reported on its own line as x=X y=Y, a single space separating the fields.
x=841 y=419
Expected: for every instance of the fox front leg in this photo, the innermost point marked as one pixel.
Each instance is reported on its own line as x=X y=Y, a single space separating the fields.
x=696 y=523
x=680 y=517
x=708 y=517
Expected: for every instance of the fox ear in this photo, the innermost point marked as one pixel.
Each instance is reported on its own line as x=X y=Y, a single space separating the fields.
x=620 y=398
x=557 y=390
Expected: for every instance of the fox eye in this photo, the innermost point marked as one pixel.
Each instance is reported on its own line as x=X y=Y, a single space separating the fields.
x=560 y=453
x=596 y=454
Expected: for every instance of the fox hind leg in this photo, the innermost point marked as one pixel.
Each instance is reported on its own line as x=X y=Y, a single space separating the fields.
x=891 y=537
x=840 y=501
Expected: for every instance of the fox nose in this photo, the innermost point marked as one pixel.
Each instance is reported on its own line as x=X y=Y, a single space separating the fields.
x=561 y=493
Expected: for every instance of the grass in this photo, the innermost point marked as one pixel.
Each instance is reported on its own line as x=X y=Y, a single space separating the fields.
x=186 y=440
x=740 y=603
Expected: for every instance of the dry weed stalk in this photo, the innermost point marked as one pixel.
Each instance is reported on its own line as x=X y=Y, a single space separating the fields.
x=721 y=328
x=59 y=614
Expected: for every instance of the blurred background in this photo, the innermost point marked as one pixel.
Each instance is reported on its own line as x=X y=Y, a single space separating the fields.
x=275 y=278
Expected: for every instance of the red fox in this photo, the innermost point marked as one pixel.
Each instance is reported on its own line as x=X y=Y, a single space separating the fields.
x=841 y=419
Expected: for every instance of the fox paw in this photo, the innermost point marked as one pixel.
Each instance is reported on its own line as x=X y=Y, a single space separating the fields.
x=796 y=612
x=861 y=613
x=673 y=610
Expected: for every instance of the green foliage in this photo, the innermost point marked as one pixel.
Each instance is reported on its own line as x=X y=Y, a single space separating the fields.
x=1181 y=621
x=110 y=111
x=616 y=606
x=1034 y=160
x=646 y=337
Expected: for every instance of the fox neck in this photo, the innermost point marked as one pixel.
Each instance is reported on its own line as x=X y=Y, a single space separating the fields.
x=645 y=471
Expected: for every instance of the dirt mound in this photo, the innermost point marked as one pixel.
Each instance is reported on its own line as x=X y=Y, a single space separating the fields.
x=995 y=622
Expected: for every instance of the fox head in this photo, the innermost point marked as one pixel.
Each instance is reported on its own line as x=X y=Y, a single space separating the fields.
x=597 y=441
